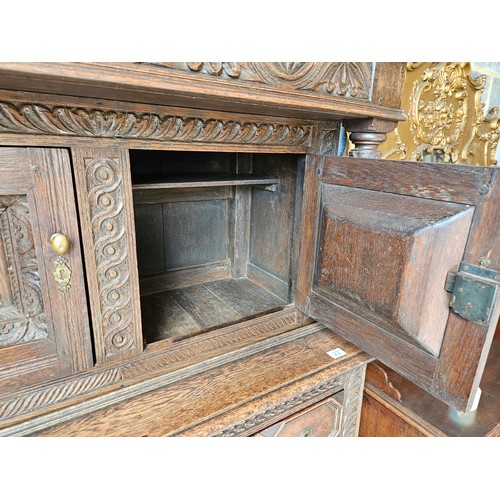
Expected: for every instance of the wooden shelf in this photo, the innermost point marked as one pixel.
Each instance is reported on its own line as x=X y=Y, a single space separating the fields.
x=205 y=181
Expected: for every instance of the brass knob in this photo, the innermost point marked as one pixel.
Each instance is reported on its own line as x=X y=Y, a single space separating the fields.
x=59 y=243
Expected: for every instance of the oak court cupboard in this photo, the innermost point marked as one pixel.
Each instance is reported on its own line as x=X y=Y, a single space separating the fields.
x=184 y=250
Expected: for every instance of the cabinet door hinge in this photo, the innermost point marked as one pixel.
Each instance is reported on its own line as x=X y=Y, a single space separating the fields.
x=473 y=292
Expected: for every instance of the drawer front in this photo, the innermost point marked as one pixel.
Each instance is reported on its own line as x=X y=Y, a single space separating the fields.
x=323 y=419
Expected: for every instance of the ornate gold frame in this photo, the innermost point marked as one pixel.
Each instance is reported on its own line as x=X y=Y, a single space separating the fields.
x=445 y=117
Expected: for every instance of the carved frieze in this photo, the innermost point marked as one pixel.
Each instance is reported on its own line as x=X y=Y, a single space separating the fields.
x=30 y=118
x=344 y=79
x=22 y=317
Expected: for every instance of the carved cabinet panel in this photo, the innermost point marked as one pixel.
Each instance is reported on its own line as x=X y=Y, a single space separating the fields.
x=102 y=178
x=382 y=242
x=43 y=316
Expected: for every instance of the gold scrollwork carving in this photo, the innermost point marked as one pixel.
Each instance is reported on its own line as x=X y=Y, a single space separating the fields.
x=445 y=117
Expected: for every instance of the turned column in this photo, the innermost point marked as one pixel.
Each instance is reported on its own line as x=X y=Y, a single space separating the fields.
x=367 y=135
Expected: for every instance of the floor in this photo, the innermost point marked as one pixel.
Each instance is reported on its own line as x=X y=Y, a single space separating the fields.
x=184 y=312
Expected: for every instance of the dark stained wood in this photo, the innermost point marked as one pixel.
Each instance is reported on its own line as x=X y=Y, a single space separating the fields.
x=380 y=419
x=246 y=297
x=48 y=335
x=484 y=241
x=124 y=121
x=183 y=312
x=377 y=375
x=164 y=318
x=161 y=363
x=185 y=277
x=455 y=183
x=367 y=134
x=388 y=84
x=104 y=191
x=206 y=308
x=272 y=223
x=149 y=235
x=240 y=220
x=308 y=231
x=112 y=122
x=158 y=196
x=146 y=84
x=195 y=233
x=412 y=361
x=204 y=181
x=435 y=371
x=387 y=256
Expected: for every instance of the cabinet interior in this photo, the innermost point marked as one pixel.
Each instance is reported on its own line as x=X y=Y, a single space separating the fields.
x=216 y=237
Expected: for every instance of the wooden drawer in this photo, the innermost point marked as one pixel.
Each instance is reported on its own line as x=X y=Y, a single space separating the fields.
x=323 y=419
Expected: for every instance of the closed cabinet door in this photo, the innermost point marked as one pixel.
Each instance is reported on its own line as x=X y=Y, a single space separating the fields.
x=44 y=328
x=401 y=258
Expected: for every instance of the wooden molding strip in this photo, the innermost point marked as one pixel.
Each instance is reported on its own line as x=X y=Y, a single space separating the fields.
x=229 y=342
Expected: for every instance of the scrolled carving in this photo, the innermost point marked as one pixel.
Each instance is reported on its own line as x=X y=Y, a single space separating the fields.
x=70 y=121
x=23 y=320
x=438 y=110
x=345 y=79
x=446 y=121
x=105 y=187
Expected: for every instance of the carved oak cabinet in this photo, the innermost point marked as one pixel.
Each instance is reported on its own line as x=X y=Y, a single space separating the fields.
x=185 y=251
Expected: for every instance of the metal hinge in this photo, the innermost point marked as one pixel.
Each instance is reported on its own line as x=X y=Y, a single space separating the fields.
x=473 y=292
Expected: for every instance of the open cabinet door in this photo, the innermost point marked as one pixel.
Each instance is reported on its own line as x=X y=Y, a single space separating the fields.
x=399 y=258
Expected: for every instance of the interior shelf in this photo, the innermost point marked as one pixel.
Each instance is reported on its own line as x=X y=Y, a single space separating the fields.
x=179 y=313
x=204 y=180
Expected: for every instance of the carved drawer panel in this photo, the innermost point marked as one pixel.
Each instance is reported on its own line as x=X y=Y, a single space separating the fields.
x=324 y=419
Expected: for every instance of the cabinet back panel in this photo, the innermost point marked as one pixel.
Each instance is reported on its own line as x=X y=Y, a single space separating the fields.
x=195 y=233
x=179 y=235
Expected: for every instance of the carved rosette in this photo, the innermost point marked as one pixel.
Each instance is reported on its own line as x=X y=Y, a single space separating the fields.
x=344 y=79
x=22 y=317
x=105 y=188
x=86 y=122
